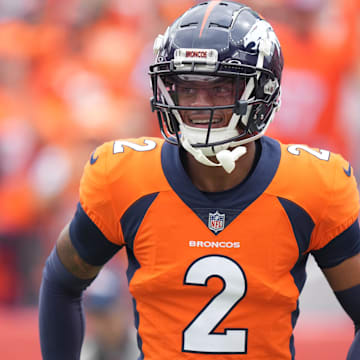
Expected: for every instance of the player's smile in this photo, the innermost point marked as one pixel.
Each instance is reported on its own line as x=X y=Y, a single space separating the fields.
x=201 y=120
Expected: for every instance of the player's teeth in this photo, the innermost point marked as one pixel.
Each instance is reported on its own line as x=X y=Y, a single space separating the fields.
x=202 y=121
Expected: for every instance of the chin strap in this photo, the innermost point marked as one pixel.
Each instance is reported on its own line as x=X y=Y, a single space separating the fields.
x=226 y=158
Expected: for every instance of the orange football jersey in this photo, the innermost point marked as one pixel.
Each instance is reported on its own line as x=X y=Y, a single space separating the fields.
x=219 y=274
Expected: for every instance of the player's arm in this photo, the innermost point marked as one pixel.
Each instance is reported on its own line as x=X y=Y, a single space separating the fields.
x=80 y=252
x=71 y=259
x=83 y=247
x=61 y=320
x=345 y=281
x=338 y=249
x=340 y=262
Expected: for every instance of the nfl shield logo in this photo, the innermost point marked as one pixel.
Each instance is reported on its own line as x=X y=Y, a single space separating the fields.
x=216 y=221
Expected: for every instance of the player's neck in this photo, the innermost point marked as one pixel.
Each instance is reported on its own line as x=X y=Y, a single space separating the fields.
x=215 y=179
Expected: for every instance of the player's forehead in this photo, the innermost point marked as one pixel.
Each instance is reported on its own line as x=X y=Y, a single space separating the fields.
x=190 y=80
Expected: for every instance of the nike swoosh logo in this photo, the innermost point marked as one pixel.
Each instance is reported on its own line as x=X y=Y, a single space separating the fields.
x=93 y=159
x=348 y=171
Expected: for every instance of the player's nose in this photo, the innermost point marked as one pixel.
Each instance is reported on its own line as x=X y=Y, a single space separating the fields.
x=202 y=97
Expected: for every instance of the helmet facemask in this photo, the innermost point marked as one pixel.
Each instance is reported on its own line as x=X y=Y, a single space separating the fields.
x=243 y=103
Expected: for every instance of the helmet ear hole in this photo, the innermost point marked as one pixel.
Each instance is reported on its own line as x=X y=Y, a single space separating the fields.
x=265 y=86
x=258 y=117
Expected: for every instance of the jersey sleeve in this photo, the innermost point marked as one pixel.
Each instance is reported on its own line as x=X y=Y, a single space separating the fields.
x=95 y=195
x=336 y=233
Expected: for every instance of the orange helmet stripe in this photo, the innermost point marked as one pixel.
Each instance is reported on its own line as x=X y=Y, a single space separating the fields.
x=210 y=8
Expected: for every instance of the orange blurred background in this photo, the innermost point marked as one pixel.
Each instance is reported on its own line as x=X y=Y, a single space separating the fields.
x=73 y=74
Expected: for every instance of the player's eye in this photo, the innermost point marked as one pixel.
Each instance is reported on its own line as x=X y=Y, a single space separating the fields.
x=186 y=91
x=223 y=90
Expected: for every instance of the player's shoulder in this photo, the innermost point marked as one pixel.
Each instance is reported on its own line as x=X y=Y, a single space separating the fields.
x=124 y=159
x=131 y=152
x=128 y=148
x=311 y=173
x=319 y=165
x=319 y=181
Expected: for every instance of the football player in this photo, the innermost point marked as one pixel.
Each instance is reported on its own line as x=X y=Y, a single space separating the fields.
x=218 y=220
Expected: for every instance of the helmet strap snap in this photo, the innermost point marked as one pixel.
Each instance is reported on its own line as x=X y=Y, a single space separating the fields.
x=226 y=158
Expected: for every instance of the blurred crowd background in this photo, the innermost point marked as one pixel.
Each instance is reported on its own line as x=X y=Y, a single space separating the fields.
x=73 y=74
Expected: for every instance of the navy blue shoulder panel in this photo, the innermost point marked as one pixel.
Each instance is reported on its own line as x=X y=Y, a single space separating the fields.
x=133 y=265
x=133 y=217
x=301 y=222
x=302 y=226
x=130 y=223
x=89 y=241
x=342 y=247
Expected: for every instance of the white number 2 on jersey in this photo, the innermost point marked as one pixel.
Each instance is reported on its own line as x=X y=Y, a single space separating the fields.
x=199 y=335
x=119 y=146
x=320 y=154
